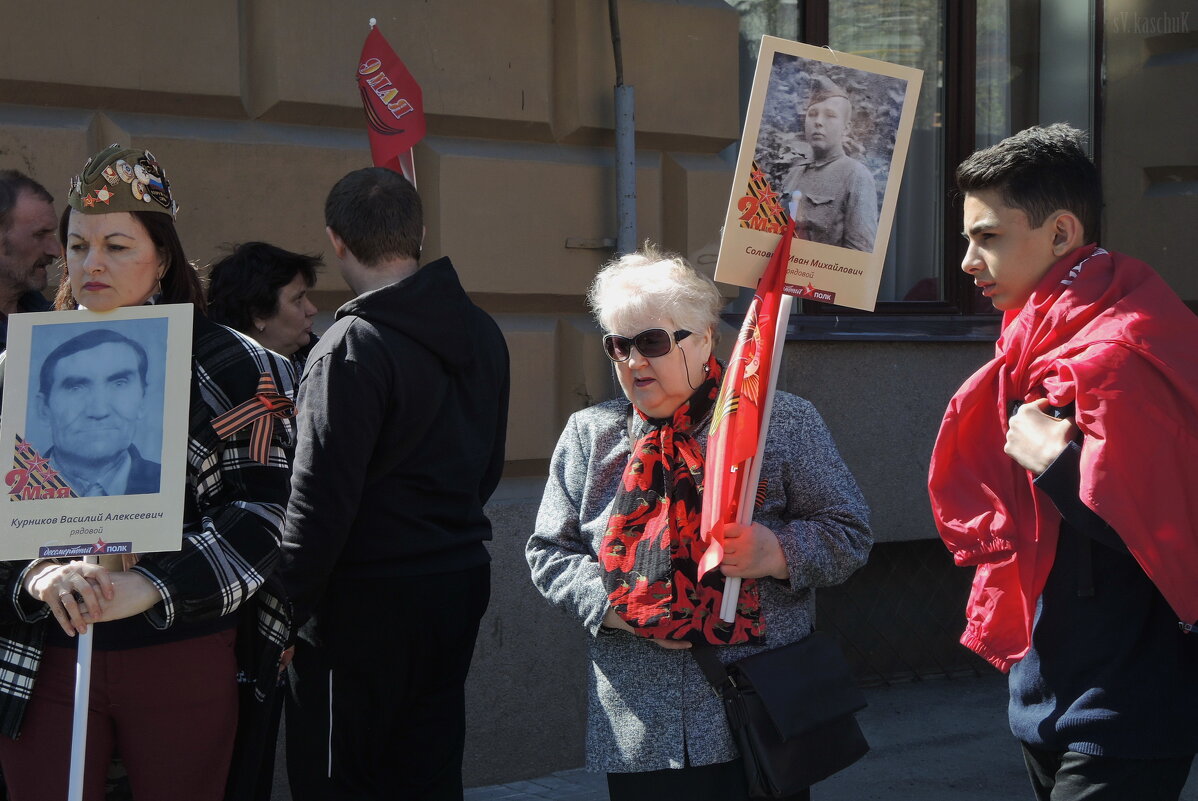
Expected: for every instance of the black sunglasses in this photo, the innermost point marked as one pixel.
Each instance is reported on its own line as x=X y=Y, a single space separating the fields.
x=650 y=343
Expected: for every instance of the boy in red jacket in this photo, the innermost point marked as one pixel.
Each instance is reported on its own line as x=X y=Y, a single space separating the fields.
x=1065 y=470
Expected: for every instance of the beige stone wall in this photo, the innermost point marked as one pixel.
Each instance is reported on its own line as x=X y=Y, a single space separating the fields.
x=253 y=110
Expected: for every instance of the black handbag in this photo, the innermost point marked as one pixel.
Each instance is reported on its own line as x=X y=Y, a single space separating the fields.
x=791 y=710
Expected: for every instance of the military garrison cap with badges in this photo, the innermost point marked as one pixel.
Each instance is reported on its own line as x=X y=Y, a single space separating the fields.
x=824 y=88
x=121 y=179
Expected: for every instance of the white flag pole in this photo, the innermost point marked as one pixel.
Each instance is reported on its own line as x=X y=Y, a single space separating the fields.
x=83 y=685
x=747 y=501
x=407 y=166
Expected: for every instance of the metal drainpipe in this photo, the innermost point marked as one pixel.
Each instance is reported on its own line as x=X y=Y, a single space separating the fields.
x=625 y=146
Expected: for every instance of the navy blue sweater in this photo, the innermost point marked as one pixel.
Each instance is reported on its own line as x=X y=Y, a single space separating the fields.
x=1109 y=672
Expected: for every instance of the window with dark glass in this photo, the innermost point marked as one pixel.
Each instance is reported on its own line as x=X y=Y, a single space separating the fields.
x=991 y=68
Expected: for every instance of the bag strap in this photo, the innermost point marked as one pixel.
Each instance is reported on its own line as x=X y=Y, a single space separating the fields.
x=713 y=669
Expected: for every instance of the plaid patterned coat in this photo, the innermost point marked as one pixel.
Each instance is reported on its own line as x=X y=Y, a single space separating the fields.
x=232 y=524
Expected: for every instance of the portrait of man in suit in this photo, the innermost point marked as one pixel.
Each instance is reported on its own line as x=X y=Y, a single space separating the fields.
x=91 y=393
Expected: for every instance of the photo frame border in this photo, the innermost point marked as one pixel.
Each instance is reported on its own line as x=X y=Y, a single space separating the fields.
x=819 y=272
x=51 y=527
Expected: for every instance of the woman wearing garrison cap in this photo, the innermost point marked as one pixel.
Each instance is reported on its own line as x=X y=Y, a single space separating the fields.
x=164 y=690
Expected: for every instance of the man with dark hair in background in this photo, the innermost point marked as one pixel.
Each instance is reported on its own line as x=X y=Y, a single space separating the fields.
x=838 y=199
x=92 y=392
x=28 y=245
x=402 y=419
x=1065 y=469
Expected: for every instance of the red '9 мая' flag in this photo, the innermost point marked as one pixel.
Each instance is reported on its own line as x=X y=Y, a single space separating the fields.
x=393 y=103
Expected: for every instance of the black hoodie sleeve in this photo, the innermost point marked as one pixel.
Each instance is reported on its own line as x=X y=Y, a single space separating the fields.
x=342 y=407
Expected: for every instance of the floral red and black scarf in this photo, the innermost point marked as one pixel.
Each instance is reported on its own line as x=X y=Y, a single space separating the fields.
x=650 y=552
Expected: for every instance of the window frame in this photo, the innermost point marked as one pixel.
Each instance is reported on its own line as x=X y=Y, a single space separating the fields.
x=950 y=318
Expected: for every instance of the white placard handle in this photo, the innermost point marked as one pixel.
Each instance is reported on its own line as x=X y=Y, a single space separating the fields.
x=83 y=686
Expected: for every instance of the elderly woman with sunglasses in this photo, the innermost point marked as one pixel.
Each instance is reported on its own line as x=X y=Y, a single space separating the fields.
x=616 y=537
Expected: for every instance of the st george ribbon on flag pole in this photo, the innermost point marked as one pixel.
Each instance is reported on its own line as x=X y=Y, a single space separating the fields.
x=736 y=441
x=393 y=103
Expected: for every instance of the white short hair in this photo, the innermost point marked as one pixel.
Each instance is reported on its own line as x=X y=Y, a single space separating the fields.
x=650 y=282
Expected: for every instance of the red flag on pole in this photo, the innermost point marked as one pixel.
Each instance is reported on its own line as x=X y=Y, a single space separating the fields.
x=393 y=103
x=737 y=437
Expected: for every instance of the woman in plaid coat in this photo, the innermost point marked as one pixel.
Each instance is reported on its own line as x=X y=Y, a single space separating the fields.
x=164 y=677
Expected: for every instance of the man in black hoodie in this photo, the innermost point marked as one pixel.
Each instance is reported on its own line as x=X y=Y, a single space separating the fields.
x=402 y=416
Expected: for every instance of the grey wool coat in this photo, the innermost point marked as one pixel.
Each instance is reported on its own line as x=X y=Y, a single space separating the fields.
x=649 y=708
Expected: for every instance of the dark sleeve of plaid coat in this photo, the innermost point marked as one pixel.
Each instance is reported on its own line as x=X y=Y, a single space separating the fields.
x=233 y=512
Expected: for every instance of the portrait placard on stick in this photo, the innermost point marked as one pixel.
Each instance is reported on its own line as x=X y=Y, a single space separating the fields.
x=93 y=441
x=826 y=135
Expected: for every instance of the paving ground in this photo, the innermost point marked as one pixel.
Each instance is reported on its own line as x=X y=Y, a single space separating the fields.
x=935 y=740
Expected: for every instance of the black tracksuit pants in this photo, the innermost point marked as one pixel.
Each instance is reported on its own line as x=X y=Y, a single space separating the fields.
x=386 y=659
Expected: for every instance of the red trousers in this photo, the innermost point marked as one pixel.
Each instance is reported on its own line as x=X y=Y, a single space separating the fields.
x=169 y=710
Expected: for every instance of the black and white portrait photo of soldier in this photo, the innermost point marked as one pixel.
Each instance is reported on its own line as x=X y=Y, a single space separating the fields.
x=92 y=396
x=826 y=139
x=838 y=199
